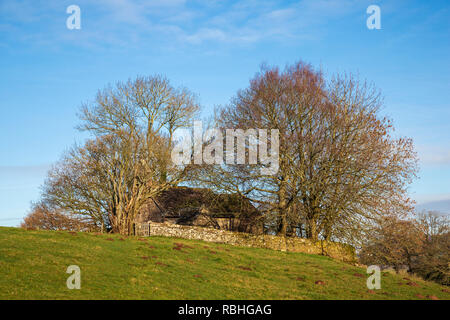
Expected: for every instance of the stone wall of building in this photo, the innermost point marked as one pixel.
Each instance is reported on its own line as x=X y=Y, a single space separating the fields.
x=335 y=250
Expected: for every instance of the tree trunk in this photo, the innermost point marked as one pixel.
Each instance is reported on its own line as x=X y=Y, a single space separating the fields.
x=312 y=228
x=282 y=212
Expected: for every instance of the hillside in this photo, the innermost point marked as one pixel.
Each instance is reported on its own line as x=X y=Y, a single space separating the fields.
x=33 y=266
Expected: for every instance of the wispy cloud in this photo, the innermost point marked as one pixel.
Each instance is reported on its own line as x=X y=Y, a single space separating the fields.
x=24 y=169
x=434 y=155
x=20 y=178
x=442 y=206
x=138 y=12
x=190 y=23
x=427 y=198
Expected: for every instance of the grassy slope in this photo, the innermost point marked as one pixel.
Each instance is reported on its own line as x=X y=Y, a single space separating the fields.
x=33 y=265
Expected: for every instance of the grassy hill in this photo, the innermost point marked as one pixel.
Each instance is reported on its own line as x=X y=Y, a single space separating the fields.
x=33 y=266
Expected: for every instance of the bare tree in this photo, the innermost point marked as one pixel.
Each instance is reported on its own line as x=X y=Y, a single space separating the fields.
x=421 y=243
x=434 y=262
x=44 y=217
x=394 y=242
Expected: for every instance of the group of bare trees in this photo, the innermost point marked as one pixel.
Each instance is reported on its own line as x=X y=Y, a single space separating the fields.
x=420 y=244
x=340 y=168
x=43 y=217
x=127 y=160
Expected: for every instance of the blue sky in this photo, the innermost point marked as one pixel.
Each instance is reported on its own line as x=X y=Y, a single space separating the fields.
x=213 y=48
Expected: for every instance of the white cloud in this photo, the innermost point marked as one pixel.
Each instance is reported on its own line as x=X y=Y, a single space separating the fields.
x=434 y=155
x=14 y=171
x=206 y=34
x=442 y=206
x=190 y=23
x=428 y=198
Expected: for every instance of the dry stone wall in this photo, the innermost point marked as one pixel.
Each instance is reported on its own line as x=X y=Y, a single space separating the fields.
x=335 y=250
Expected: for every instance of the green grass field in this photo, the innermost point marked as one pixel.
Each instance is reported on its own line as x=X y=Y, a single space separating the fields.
x=33 y=266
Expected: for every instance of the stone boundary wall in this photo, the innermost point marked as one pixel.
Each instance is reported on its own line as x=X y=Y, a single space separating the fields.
x=332 y=249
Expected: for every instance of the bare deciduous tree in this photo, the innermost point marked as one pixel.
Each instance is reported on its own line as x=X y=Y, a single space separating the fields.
x=44 y=217
x=434 y=262
x=421 y=243
x=394 y=242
